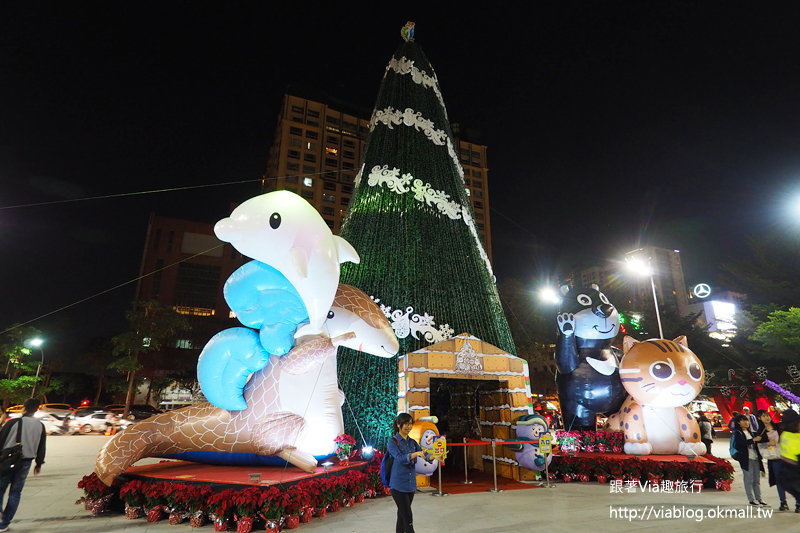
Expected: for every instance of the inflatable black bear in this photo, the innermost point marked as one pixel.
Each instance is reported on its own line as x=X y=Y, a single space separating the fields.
x=588 y=368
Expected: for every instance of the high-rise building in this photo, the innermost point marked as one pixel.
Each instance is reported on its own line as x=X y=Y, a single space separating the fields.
x=189 y=267
x=318 y=148
x=667 y=277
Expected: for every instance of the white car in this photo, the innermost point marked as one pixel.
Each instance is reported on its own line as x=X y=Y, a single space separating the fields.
x=95 y=420
x=54 y=423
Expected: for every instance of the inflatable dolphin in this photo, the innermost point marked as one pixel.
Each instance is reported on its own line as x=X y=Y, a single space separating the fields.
x=284 y=231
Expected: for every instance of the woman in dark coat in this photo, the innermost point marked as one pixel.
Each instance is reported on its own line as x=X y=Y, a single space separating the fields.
x=749 y=459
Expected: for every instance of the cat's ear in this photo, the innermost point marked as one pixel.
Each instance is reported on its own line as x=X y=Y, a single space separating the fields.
x=682 y=341
x=628 y=343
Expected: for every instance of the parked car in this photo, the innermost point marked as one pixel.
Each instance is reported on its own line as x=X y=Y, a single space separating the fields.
x=88 y=421
x=54 y=423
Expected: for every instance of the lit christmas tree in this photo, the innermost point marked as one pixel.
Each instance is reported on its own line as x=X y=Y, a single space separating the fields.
x=411 y=221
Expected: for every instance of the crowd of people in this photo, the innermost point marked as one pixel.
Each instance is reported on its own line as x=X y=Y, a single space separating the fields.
x=756 y=438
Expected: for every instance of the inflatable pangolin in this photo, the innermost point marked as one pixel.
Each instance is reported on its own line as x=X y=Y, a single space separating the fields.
x=293 y=404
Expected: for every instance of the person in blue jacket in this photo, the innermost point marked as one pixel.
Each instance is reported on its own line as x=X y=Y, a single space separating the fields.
x=403 y=480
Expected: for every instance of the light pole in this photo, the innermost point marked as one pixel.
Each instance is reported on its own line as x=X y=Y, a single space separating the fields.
x=639 y=267
x=36 y=343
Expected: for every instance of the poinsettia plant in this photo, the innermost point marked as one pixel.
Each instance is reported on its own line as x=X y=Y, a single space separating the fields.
x=132 y=493
x=248 y=501
x=155 y=494
x=93 y=488
x=344 y=446
x=274 y=504
x=220 y=504
x=297 y=499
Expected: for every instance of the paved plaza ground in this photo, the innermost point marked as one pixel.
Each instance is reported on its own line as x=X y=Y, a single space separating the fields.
x=48 y=504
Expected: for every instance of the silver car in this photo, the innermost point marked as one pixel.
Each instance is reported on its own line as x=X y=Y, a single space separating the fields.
x=90 y=420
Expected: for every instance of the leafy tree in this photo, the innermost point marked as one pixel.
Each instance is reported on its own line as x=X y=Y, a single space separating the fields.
x=781 y=333
x=20 y=365
x=151 y=326
x=99 y=354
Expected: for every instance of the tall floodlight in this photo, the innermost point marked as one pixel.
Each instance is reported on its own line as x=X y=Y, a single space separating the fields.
x=411 y=222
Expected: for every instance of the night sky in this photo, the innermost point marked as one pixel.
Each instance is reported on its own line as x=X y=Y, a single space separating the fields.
x=609 y=125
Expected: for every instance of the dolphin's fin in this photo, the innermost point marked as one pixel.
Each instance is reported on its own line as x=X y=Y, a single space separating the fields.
x=346 y=250
x=300 y=261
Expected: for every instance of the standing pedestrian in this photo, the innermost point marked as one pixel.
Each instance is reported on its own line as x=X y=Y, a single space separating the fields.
x=732 y=422
x=752 y=419
x=789 y=475
x=749 y=459
x=33 y=440
x=403 y=483
x=770 y=449
x=706 y=431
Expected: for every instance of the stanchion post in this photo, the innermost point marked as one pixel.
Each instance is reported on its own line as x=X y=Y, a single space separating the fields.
x=440 y=492
x=494 y=468
x=466 y=478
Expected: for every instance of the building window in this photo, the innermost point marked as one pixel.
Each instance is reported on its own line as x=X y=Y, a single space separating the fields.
x=477 y=174
x=310 y=157
x=311 y=146
x=327 y=210
x=295 y=131
x=308 y=182
x=308 y=169
x=294 y=142
x=297 y=109
x=296 y=119
x=329 y=223
x=479 y=225
x=231 y=314
x=478 y=184
x=350 y=126
x=312 y=123
x=330 y=162
x=329 y=175
x=332 y=140
x=478 y=205
x=291 y=178
x=294 y=154
x=347 y=189
x=328 y=186
x=308 y=195
x=348 y=166
x=348 y=143
x=331 y=151
x=170 y=240
x=465 y=152
x=478 y=194
x=312 y=134
x=312 y=113
x=292 y=166
x=197 y=286
x=349 y=178
x=329 y=198
x=331 y=120
x=291 y=189
x=157 y=239
x=476 y=155
x=479 y=216
x=349 y=155
x=344 y=200
x=468 y=191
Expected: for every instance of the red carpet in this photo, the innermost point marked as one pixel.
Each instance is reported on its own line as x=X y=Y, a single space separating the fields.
x=228 y=475
x=481 y=482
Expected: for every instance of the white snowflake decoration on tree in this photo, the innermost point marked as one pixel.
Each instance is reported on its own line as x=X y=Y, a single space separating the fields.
x=467 y=360
x=410 y=323
x=761 y=372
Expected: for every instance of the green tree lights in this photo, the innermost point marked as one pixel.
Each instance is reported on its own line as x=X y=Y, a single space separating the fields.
x=411 y=222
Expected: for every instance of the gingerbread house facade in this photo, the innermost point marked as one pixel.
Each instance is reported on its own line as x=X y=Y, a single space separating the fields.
x=465 y=378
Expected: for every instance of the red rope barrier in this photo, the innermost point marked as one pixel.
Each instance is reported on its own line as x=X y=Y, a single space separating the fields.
x=473 y=442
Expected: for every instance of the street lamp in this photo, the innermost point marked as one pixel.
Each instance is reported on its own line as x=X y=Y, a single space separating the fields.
x=36 y=343
x=641 y=268
x=549 y=295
